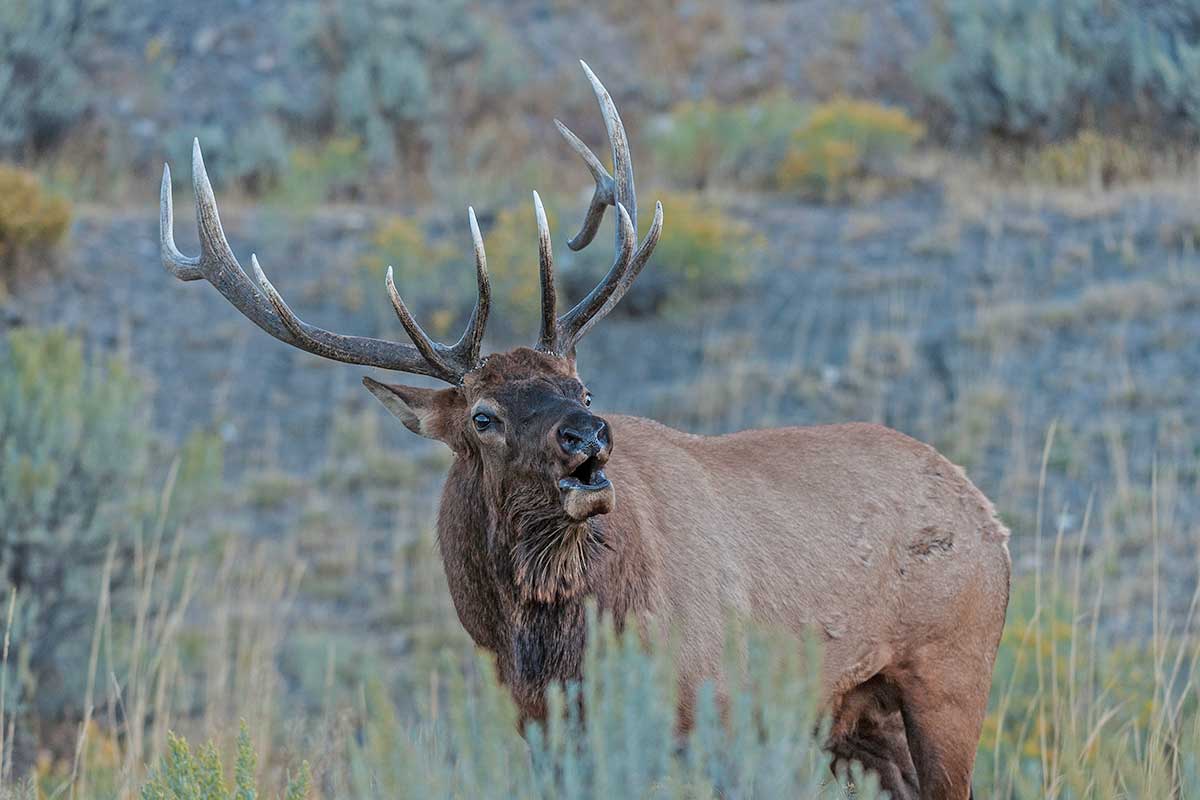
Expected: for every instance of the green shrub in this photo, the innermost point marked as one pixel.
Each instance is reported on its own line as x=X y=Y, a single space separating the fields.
x=844 y=141
x=1034 y=70
x=626 y=743
x=703 y=251
x=75 y=481
x=329 y=171
x=387 y=69
x=703 y=144
x=32 y=222
x=184 y=775
x=44 y=84
x=256 y=156
x=435 y=280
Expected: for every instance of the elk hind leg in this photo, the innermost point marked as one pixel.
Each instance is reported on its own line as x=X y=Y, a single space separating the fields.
x=870 y=730
x=943 y=725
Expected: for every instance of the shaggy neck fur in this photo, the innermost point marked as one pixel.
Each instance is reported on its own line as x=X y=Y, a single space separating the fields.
x=551 y=554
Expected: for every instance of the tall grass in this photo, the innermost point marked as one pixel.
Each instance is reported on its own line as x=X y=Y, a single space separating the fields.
x=612 y=736
x=1073 y=714
x=156 y=668
x=200 y=639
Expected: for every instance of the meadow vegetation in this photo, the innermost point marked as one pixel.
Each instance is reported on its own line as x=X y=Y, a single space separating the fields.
x=846 y=141
x=1074 y=712
x=81 y=506
x=1034 y=71
x=33 y=221
x=44 y=48
x=822 y=152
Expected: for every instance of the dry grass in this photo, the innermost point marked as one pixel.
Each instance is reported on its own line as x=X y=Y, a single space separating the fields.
x=1073 y=714
x=1100 y=302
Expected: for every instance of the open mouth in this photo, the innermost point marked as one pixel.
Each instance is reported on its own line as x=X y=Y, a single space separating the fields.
x=588 y=476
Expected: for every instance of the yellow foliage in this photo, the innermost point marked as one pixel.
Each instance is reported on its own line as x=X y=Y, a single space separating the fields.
x=513 y=264
x=156 y=48
x=31 y=219
x=420 y=269
x=400 y=243
x=98 y=766
x=702 y=249
x=874 y=119
x=1089 y=159
x=322 y=172
x=845 y=140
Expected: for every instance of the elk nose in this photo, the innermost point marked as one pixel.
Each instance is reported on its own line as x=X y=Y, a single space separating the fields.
x=580 y=433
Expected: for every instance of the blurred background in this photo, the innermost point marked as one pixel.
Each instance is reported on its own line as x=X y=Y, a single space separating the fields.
x=974 y=221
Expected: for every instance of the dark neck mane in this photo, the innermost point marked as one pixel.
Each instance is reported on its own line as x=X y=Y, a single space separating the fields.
x=520 y=575
x=553 y=559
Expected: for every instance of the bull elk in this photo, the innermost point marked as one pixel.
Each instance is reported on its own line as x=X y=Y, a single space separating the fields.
x=855 y=531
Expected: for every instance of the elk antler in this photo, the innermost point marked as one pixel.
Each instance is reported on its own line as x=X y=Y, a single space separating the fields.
x=561 y=334
x=265 y=307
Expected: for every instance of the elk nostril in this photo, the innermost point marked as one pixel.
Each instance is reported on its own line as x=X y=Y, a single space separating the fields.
x=570 y=439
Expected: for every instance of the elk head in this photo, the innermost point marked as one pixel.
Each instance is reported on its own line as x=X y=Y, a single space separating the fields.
x=521 y=419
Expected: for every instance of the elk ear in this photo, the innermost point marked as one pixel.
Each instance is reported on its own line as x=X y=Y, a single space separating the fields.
x=425 y=412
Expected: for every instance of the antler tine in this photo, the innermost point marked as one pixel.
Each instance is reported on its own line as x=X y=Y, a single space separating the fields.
x=601 y=197
x=469 y=344
x=186 y=268
x=427 y=347
x=623 y=190
x=581 y=316
x=265 y=307
x=609 y=190
x=548 y=333
x=624 y=279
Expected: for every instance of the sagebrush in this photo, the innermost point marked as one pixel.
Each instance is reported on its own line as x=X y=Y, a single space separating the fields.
x=79 y=507
x=44 y=45
x=1033 y=70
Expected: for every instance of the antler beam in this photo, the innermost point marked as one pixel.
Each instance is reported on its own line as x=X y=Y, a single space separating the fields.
x=265 y=307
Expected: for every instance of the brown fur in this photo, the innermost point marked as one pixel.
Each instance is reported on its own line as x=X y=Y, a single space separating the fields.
x=551 y=557
x=856 y=531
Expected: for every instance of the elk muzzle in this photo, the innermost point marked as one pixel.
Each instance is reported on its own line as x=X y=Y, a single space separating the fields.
x=585 y=442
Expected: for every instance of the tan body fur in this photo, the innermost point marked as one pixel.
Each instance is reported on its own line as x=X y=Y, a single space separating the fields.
x=868 y=537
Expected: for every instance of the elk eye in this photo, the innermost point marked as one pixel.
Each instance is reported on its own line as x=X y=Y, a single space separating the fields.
x=587 y=398
x=482 y=421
